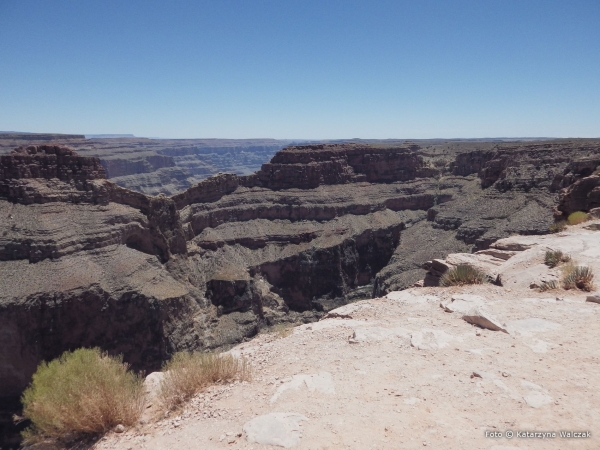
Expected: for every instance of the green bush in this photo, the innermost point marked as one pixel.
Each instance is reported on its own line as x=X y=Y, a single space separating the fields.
x=188 y=373
x=557 y=227
x=554 y=257
x=81 y=393
x=578 y=277
x=461 y=275
x=577 y=218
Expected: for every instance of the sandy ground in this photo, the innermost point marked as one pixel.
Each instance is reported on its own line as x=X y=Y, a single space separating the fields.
x=400 y=372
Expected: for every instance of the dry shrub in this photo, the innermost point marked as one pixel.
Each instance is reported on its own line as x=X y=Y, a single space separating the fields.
x=557 y=227
x=84 y=392
x=548 y=285
x=461 y=275
x=554 y=257
x=577 y=218
x=578 y=277
x=188 y=373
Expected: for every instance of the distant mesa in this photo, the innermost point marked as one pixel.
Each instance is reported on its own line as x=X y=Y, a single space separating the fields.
x=108 y=136
x=24 y=136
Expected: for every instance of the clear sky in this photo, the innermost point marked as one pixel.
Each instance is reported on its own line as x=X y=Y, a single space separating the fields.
x=314 y=69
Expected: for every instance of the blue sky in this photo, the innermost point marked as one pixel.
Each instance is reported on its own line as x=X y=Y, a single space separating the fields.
x=314 y=69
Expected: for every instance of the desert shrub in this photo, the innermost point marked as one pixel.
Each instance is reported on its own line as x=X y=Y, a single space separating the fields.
x=577 y=218
x=557 y=227
x=461 y=275
x=578 y=277
x=84 y=392
x=548 y=285
x=554 y=257
x=188 y=373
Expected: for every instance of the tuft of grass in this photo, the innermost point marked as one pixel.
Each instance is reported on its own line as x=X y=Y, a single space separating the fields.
x=554 y=257
x=578 y=277
x=548 y=286
x=461 y=275
x=81 y=393
x=557 y=227
x=577 y=218
x=188 y=373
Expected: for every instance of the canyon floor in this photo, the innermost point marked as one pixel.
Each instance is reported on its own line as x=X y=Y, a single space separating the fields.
x=400 y=372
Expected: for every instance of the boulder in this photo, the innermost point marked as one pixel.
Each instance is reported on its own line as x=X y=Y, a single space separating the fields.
x=484 y=319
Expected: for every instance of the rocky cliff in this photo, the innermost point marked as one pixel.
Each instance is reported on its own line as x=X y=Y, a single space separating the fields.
x=85 y=262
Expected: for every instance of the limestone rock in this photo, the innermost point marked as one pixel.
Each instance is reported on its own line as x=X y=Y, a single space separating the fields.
x=411 y=298
x=462 y=303
x=484 y=319
x=280 y=429
x=537 y=399
x=431 y=339
x=321 y=382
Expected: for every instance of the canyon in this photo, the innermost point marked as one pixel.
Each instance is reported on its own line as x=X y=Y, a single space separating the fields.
x=85 y=261
x=159 y=166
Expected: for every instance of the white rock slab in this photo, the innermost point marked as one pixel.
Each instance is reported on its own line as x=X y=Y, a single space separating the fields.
x=530 y=385
x=281 y=429
x=539 y=346
x=537 y=399
x=347 y=311
x=412 y=401
x=410 y=298
x=533 y=325
x=431 y=339
x=321 y=382
x=374 y=334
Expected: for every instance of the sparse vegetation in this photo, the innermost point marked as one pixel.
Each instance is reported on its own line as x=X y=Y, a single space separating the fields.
x=84 y=392
x=578 y=277
x=554 y=257
x=548 y=285
x=557 y=227
x=188 y=373
x=577 y=218
x=461 y=275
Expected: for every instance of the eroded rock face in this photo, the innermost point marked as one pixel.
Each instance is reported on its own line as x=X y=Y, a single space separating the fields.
x=582 y=195
x=49 y=161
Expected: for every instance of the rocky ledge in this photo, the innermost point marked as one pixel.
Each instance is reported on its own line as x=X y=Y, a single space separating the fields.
x=443 y=368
